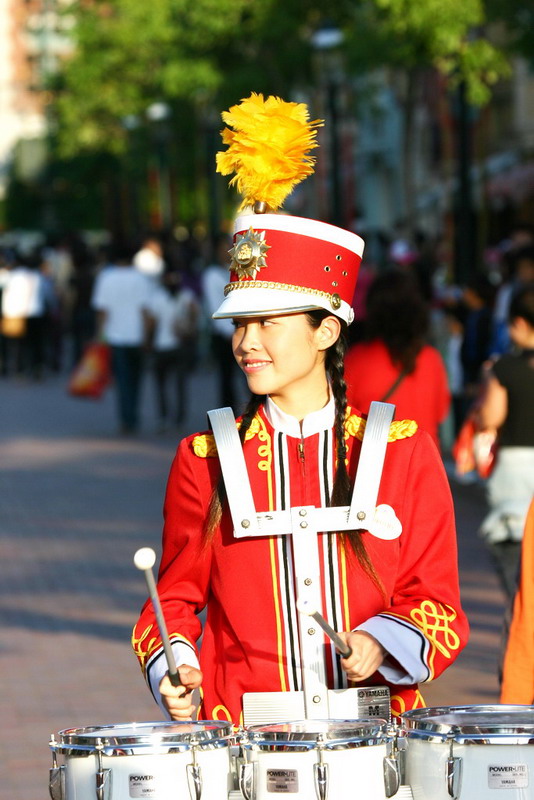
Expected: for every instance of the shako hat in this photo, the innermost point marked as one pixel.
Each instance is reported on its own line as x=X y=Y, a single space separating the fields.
x=281 y=264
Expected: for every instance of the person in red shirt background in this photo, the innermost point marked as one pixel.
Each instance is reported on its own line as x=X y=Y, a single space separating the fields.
x=395 y=363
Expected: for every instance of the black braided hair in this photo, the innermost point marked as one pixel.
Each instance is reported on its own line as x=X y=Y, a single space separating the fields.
x=341 y=490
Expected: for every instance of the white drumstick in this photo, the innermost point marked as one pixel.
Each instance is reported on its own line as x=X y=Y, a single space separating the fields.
x=144 y=559
x=305 y=607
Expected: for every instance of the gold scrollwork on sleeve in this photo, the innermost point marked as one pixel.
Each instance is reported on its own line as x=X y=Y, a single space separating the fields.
x=434 y=620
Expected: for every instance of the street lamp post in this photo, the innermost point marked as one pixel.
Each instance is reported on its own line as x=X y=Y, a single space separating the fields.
x=326 y=41
x=158 y=114
x=465 y=248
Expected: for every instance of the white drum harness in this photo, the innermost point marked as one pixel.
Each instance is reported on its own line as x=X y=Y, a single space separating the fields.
x=303 y=523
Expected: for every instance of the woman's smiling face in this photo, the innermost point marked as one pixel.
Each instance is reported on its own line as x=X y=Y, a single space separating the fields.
x=284 y=357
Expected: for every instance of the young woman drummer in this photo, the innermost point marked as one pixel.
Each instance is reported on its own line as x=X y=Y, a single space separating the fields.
x=394 y=601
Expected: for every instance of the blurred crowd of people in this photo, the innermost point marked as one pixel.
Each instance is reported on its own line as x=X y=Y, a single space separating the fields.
x=149 y=301
x=431 y=342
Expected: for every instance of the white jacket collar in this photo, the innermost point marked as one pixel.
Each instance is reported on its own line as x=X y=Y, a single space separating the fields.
x=313 y=423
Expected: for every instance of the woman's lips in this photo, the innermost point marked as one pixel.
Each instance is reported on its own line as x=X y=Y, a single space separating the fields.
x=255 y=366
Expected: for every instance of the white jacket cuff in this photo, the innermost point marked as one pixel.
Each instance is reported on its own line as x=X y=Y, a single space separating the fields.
x=404 y=643
x=157 y=668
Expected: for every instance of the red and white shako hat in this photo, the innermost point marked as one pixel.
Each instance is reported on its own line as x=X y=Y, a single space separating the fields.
x=281 y=264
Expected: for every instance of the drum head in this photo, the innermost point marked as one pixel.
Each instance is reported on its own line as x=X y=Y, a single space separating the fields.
x=329 y=731
x=463 y=723
x=138 y=737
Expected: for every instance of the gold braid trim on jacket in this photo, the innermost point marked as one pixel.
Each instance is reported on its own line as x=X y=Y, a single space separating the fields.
x=204 y=444
x=399 y=429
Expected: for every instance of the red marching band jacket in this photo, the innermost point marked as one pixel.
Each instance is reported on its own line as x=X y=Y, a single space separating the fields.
x=250 y=637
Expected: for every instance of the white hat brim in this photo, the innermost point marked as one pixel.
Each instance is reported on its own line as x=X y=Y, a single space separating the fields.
x=255 y=302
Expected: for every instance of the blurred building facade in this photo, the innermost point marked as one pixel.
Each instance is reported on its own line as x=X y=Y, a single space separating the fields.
x=424 y=136
x=33 y=38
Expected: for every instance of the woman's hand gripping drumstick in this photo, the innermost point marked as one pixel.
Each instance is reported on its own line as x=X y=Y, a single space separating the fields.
x=176 y=686
x=361 y=653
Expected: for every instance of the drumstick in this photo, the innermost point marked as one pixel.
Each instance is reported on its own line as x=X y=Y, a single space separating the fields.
x=144 y=559
x=305 y=607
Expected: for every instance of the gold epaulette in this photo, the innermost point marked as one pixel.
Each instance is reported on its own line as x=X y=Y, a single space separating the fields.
x=204 y=443
x=400 y=429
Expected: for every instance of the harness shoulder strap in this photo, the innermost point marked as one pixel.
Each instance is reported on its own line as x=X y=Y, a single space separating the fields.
x=371 y=463
x=234 y=470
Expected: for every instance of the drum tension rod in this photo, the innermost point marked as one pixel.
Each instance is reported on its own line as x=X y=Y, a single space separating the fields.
x=56 y=779
x=194 y=774
x=454 y=771
x=320 y=770
x=247 y=770
x=103 y=776
x=392 y=767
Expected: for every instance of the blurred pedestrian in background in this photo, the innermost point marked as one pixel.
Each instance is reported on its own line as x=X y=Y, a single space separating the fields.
x=395 y=363
x=514 y=272
x=452 y=352
x=214 y=278
x=149 y=259
x=477 y=301
x=508 y=405
x=25 y=305
x=121 y=297
x=6 y=263
x=57 y=267
x=172 y=318
x=82 y=323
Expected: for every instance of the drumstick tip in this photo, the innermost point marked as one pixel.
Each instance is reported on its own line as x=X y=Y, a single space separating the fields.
x=145 y=558
x=306 y=607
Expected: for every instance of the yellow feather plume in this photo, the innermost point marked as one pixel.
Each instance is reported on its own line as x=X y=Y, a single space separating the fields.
x=267 y=148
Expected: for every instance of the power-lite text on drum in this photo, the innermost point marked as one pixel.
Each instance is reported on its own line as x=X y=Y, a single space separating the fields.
x=321 y=759
x=468 y=752
x=158 y=760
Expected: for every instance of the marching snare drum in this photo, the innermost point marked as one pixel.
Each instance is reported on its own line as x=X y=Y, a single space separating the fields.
x=154 y=760
x=318 y=759
x=442 y=761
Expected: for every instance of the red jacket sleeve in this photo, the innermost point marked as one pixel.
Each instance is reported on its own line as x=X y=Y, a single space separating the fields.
x=184 y=575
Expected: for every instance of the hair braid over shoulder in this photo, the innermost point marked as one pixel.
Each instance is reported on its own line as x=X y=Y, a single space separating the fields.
x=341 y=490
x=336 y=371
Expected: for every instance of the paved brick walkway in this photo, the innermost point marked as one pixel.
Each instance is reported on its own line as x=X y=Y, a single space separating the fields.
x=76 y=501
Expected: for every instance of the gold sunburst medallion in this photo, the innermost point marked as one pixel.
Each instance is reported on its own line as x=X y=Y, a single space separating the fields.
x=248 y=254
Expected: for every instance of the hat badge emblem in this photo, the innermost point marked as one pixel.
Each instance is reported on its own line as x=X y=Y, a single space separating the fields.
x=249 y=254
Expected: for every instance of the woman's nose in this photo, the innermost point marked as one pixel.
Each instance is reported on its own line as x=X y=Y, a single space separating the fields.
x=247 y=337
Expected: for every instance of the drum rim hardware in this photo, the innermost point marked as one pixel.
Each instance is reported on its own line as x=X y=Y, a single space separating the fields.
x=136 y=739
x=471 y=725
x=333 y=734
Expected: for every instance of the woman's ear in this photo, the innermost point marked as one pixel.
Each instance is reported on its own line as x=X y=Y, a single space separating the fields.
x=328 y=332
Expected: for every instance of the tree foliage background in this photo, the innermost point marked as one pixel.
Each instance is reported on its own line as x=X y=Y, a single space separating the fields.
x=200 y=57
